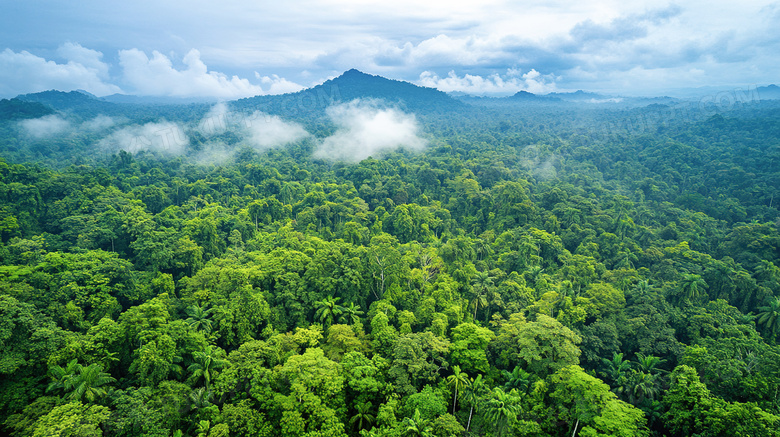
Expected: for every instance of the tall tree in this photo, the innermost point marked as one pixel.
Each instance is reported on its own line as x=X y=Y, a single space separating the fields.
x=457 y=381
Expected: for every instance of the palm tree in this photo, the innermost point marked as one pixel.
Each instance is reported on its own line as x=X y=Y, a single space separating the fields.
x=328 y=310
x=519 y=380
x=199 y=399
x=770 y=317
x=60 y=376
x=363 y=415
x=206 y=365
x=643 y=387
x=457 y=380
x=616 y=369
x=649 y=364
x=86 y=383
x=482 y=283
x=417 y=426
x=351 y=313
x=691 y=286
x=642 y=288
x=199 y=318
x=472 y=395
x=501 y=410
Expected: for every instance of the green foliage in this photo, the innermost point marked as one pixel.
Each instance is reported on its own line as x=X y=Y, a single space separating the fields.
x=453 y=290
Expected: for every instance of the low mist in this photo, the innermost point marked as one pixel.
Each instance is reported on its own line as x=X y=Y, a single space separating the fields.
x=364 y=129
x=45 y=127
x=163 y=137
x=259 y=130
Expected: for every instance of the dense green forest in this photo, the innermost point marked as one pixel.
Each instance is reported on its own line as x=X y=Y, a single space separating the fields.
x=533 y=271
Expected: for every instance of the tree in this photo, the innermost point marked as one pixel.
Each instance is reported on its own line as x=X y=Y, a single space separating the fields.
x=457 y=381
x=417 y=426
x=588 y=407
x=518 y=379
x=86 y=383
x=199 y=318
x=363 y=414
x=546 y=345
x=616 y=370
x=769 y=318
x=691 y=287
x=328 y=310
x=468 y=348
x=649 y=363
x=501 y=410
x=207 y=364
x=473 y=394
x=61 y=375
x=72 y=420
x=351 y=314
x=482 y=283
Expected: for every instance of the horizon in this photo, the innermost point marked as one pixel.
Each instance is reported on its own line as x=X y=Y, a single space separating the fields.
x=171 y=49
x=682 y=95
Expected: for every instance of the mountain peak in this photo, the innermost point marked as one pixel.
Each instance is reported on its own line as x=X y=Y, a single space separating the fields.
x=354 y=72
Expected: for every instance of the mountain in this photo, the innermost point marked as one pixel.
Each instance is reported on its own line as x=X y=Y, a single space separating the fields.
x=15 y=109
x=525 y=95
x=72 y=101
x=351 y=85
x=771 y=92
x=578 y=96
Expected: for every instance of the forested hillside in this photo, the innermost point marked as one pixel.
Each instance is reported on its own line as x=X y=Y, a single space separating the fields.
x=523 y=270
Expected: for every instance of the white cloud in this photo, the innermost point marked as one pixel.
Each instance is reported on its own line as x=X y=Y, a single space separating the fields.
x=215 y=121
x=163 y=137
x=366 y=129
x=267 y=131
x=260 y=130
x=101 y=122
x=88 y=58
x=24 y=72
x=45 y=127
x=157 y=76
x=278 y=85
x=495 y=84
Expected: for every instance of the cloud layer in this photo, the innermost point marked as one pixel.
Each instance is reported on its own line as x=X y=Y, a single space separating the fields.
x=45 y=127
x=494 y=84
x=162 y=137
x=85 y=69
x=240 y=48
x=364 y=129
x=261 y=131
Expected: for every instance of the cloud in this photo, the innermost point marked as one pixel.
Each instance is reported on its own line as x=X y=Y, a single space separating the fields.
x=494 y=84
x=24 y=72
x=45 y=127
x=163 y=137
x=364 y=128
x=216 y=120
x=157 y=76
x=88 y=58
x=278 y=85
x=267 y=131
x=216 y=153
x=260 y=130
x=101 y=122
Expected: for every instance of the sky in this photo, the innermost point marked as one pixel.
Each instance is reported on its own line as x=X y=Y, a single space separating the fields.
x=236 y=48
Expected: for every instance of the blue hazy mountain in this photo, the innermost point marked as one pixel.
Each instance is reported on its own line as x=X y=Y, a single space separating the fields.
x=351 y=85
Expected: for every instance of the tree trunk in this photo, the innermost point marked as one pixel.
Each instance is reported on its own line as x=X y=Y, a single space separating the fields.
x=455 y=400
